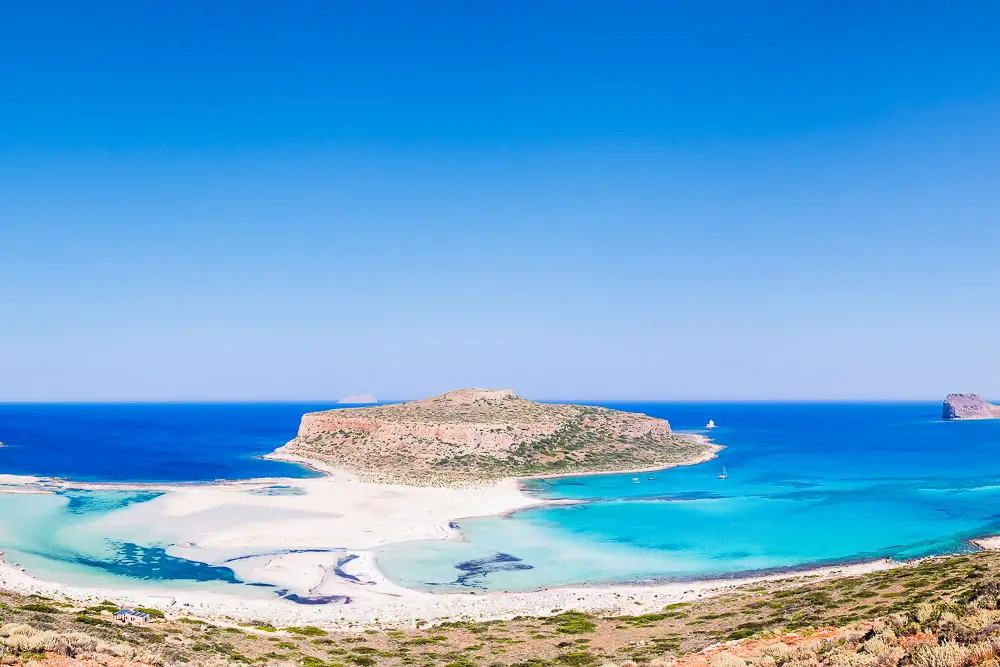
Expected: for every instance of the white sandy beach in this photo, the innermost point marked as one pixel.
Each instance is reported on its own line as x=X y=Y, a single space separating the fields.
x=384 y=604
x=259 y=529
x=337 y=513
x=18 y=479
x=988 y=543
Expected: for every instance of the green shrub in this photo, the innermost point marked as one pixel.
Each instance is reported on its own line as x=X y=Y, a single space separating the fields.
x=103 y=607
x=152 y=613
x=573 y=623
x=577 y=659
x=461 y=662
x=307 y=631
x=90 y=620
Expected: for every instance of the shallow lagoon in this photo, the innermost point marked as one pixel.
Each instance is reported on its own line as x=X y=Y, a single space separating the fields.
x=58 y=537
x=73 y=538
x=808 y=484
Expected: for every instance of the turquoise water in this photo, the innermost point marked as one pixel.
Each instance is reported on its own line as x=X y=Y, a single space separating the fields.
x=53 y=537
x=808 y=484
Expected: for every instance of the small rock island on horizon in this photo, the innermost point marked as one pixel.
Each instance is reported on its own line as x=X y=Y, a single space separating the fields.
x=358 y=399
x=483 y=435
x=968 y=406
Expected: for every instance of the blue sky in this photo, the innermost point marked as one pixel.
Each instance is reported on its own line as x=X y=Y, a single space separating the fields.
x=689 y=200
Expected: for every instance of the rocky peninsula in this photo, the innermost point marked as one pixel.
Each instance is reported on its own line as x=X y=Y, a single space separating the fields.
x=483 y=435
x=393 y=474
x=968 y=406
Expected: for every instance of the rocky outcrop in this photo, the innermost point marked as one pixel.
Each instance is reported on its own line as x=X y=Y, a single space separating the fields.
x=483 y=434
x=968 y=406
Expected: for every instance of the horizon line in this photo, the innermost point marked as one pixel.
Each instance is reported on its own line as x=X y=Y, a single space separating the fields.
x=406 y=400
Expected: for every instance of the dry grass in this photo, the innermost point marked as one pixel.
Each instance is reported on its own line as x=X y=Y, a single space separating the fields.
x=21 y=641
x=940 y=613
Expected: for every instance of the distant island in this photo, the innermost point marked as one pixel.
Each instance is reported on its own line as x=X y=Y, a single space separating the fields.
x=358 y=399
x=481 y=435
x=968 y=406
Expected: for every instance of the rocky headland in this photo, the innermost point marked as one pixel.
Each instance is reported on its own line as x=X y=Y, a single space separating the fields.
x=968 y=406
x=482 y=435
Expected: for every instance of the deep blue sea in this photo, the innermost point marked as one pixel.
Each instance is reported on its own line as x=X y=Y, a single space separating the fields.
x=149 y=442
x=809 y=483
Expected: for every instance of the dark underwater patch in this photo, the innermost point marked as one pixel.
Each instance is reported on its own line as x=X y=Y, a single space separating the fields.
x=319 y=599
x=474 y=572
x=151 y=564
x=685 y=495
x=339 y=571
x=279 y=490
x=82 y=502
x=731 y=555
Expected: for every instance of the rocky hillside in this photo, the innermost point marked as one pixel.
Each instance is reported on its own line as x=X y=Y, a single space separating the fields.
x=968 y=406
x=938 y=613
x=484 y=434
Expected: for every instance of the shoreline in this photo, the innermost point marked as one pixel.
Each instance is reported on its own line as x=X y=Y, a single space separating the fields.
x=316 y=542
x=407 y=607
x=376 y=601
x=986 y=542
x=323 y=469
x=708 y=456
x=329 y=555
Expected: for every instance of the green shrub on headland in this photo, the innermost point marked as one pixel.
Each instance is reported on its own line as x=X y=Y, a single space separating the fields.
x=307 y=631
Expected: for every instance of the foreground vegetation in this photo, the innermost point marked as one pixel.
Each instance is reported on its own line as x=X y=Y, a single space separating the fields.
x=939 y=613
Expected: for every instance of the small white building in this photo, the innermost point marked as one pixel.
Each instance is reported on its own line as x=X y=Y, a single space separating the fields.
x=131 y=617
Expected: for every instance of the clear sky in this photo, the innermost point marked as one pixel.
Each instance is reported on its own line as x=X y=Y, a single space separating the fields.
x=580 y=200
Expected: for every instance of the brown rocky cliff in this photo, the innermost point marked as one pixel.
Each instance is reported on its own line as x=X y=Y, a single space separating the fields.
x=486 y=434
x=968 y=406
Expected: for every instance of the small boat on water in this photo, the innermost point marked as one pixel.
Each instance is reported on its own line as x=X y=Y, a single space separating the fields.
x=635 y=480
x=710 y=424
x=724 y=475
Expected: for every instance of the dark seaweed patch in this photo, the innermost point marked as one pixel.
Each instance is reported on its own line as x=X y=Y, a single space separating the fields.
x=474 y=572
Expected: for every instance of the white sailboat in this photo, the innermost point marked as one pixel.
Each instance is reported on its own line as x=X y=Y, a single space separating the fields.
x=724 y=475
x=710 y=424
